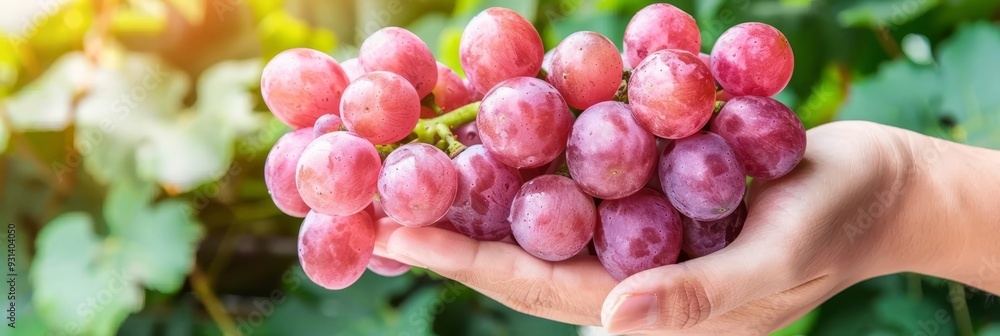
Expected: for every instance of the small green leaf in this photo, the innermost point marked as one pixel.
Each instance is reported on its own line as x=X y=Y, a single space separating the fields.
x=970 y=79
x=46 y=103
x=901 y=94
x=990 y=330
x=892 y=13
x=469 y=8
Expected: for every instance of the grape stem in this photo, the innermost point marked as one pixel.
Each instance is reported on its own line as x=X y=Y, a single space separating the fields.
x=431 y=130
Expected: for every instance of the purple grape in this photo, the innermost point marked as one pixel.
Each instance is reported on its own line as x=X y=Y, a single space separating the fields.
x=703 y=238
x=486 y=188
x=609 y=154
x=767 y=137
x=552 y=219
x=702 y=177
x=328 y=123
x=637 y=233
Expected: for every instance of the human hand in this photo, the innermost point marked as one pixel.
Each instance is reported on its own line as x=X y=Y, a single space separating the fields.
x=837 y=219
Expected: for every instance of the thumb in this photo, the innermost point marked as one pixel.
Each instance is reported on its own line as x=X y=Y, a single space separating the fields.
x=680 y=296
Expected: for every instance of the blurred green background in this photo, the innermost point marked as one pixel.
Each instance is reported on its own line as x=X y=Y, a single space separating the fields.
x=133 y=138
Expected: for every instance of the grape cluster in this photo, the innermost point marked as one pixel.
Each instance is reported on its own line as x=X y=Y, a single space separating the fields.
x=643 y=152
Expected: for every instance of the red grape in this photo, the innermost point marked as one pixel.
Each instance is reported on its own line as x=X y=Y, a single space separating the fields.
x=381 y=107
x=417 y=184
x=552 y=219
x=702 y=238
x=767 y=137
x=658 y=27
x=499 y=44
x=586 y=69
x=609 y=155
x=672 y=94
x=326 y=124
x=524 y=122
x=752 y=59
x=399 y=51
x=486 y=188
x=352 y=68
x=702 y=177
x=300 y=85
x=387 y=267
x=637 y=233
x=468 y=134
x=279 y=171
x=334 y=250
x=450 y=92
x=337 y=172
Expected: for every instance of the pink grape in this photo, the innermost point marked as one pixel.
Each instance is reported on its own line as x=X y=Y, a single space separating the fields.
x=547 y=61
x=659 y=27
x=702 y=177
x=705 y=59
x=417 y=184
x=352 y=68
x=381 y=107
x=637 y=233
x=399 y=51
x=334 y=250
x=279 y=171
x=524 y=122
x=326 y=124
x=499 y=44
x=300 y=85
x=552 y=219
x=475 y=95
x=704 y=238
x=752 y=59
x=672 y=94
x=337 y=173
x=767 y=137
x=468 y=134
x=387 y=267
x=486 y=188
x=609 y=155
x=586 y=69
x=450 y=92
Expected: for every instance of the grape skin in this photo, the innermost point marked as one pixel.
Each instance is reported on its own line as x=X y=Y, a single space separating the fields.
x=702 y=177
x=637 y=233
x=609 y=154
x=752 y=59
x=586 y=69
x=279 y=171
x=387 y=267
x=352 y=68
x=326 y=124
x=381 y=107
x=468 y=134
x=767 y=137
x=300 y=85
x=499 y=44
x=552 y=219
x=486 y=188
x=672 y=94
x=417 y=184
x=524 y=122
x=702 y=238
x=450 y=92
x=334 y=250
x=337 y=173
x=659 y=27
x=399 y=51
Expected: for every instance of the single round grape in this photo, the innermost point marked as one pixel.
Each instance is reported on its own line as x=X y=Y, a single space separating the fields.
x=767 y=137
x=609 y=155
x=334 y=250
x=486 y=188
x=702 y=238
x=499 y=44
x=524 y=122
x=702 y=177
x=658 y=27
x=637 y=233
x=752 y=59
x=328 y=123
x=586 y=69
x=450 y=92
x=337 y=173
x=387 y=267
x=468 y=134
x=399 y=51
x=417 y=184
x=552 y=219
x=672 y=94
x=279 y=171
x=381 y=107
x=352 y=68
x=300 y=85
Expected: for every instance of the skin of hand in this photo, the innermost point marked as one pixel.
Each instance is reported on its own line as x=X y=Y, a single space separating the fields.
x=867 y=200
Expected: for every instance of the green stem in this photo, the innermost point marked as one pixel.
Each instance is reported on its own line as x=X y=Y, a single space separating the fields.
x=718 y=106
x=427 y=129
x=956 y=291
x=452 y=144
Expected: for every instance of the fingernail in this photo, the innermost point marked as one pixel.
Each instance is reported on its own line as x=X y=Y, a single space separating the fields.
x=633 y=312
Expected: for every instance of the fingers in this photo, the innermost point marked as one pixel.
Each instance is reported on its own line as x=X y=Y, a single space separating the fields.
x=570 y=291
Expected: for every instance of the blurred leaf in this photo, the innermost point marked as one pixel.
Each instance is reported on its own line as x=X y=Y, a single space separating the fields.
x=469 y=8
x=447 y=51
x=47 y=102
x=192 y=10
x=586 y=18
x=901 y=94
x=892 y=13
x=802 y=326
x=4 y=135
x=279 y=31
x=225 y=92
x=970 y=80
x=62 y=27
x=826 y=98
x=990 y=330
x=78 y=288
x=913 y=316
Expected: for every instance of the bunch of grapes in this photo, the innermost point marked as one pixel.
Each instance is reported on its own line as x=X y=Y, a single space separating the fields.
x=644 y=152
